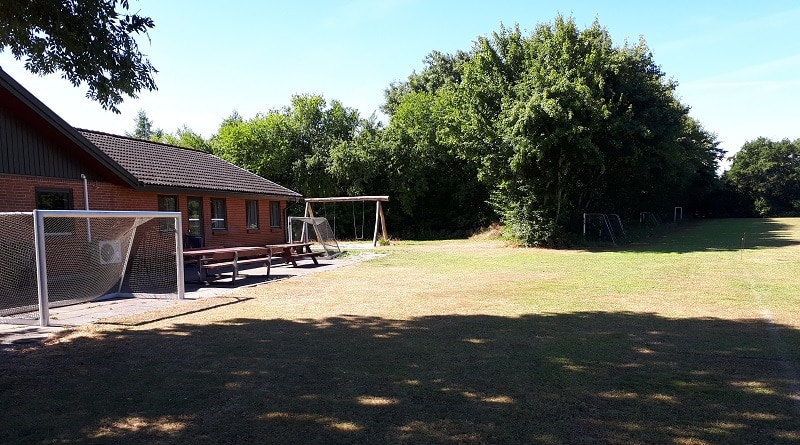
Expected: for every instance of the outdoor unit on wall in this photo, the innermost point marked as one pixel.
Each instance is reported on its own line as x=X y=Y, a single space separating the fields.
x=109 y=252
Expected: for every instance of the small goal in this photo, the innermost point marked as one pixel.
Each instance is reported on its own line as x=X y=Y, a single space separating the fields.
x=602 y=227
x=318 y=229
x=51 y=258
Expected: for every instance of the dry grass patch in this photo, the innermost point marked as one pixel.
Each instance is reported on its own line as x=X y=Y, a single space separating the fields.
x=449 y=342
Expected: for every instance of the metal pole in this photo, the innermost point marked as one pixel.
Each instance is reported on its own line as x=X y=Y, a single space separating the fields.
x=584 y=225
x=86 y=204
x=179 y=256
x=41 y=269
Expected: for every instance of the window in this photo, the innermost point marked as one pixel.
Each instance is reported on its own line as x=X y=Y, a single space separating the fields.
x=274 y=214
x=219 y=218
x=167 y=203
x=194 y=212
x=47 y=199
x=56 y=199
x=252 y=214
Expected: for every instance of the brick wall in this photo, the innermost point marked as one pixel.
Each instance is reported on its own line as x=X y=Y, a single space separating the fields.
x=18 y=194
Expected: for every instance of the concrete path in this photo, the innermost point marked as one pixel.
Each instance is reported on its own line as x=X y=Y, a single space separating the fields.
x=14 y=336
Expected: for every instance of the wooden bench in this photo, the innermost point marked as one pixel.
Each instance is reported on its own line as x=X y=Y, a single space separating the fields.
x=213 y=259
x=291 y=252
x=312 y=255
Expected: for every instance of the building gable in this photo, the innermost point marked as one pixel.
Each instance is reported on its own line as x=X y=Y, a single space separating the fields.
x=34 y=135
x=26 y=151
x=34 y=141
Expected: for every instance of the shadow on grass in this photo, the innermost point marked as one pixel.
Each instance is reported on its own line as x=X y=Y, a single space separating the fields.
x=732 y=234
x=569 y=378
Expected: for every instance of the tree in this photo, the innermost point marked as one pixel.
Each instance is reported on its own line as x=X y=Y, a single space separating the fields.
x=292 y=145
x=183 y=137
x=311 y=146
x=562 y=122
x=86 y=40
x=440 y=70
x=437 y=190
x=768 y=172
x=144 y=128
x=263 y=144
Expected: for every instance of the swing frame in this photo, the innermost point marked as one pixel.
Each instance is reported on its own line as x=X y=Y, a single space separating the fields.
x=380 y=219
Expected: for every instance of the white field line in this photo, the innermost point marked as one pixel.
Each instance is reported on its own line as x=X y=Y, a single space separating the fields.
x=787 y=363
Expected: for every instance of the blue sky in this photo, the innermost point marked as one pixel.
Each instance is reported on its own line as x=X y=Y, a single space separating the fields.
x=737 y=63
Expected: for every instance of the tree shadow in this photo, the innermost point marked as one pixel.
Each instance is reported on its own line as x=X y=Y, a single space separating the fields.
x=577 y=378
x=730 y=235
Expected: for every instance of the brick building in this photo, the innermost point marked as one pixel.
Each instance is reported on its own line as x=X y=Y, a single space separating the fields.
x=47 y=164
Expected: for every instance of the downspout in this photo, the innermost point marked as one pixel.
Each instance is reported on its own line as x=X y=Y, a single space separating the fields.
x=86 y=202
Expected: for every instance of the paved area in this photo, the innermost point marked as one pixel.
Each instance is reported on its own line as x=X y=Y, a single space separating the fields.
x=14 y=336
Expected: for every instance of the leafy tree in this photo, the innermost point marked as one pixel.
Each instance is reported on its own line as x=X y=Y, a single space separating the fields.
x=440 y=69
x=437 y=191
x=563 y=122
x=313 y=147
x=292 y=145
x=144 y=128
x=768 y=172
x=88 y=41
x=356 y=164
x=263 y=145
x=183 y=137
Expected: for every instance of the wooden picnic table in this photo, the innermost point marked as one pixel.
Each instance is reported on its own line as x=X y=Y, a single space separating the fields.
x=291 y=252
x=219 y=257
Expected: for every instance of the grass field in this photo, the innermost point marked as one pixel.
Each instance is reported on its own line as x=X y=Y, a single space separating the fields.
x=692 y=337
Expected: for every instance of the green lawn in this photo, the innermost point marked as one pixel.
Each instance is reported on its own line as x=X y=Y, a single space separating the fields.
x=692 y=337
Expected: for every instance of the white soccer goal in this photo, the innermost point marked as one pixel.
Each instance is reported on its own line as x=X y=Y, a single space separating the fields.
x=616 y=224
x=678 y=214
x=649 y=218
x=321 y=230
x=598 y=227
x=51 y=258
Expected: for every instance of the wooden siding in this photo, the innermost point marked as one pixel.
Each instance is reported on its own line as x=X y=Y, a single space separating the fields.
x=24 y=151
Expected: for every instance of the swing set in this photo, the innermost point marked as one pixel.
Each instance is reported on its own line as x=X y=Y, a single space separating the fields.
x=380 y=219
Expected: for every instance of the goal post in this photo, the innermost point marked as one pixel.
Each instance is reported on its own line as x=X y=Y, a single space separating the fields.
x=322 y=231
x=600 y=223
x=66 y=257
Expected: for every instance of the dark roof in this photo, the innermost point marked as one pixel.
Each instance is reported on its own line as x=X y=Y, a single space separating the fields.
x=160 y=166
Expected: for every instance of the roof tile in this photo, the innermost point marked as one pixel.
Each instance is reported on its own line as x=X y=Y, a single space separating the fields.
x=155 y=164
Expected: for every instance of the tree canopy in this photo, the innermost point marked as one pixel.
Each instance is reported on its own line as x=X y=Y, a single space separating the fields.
x=532 y=130
x=143 y=128
x=292 y=146
x=768 y=173
x=87 y=41
x=562 y=122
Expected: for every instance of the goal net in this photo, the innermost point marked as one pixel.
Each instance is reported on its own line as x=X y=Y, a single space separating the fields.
x=315 y=229
x=602 y=227
x=52 y=258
